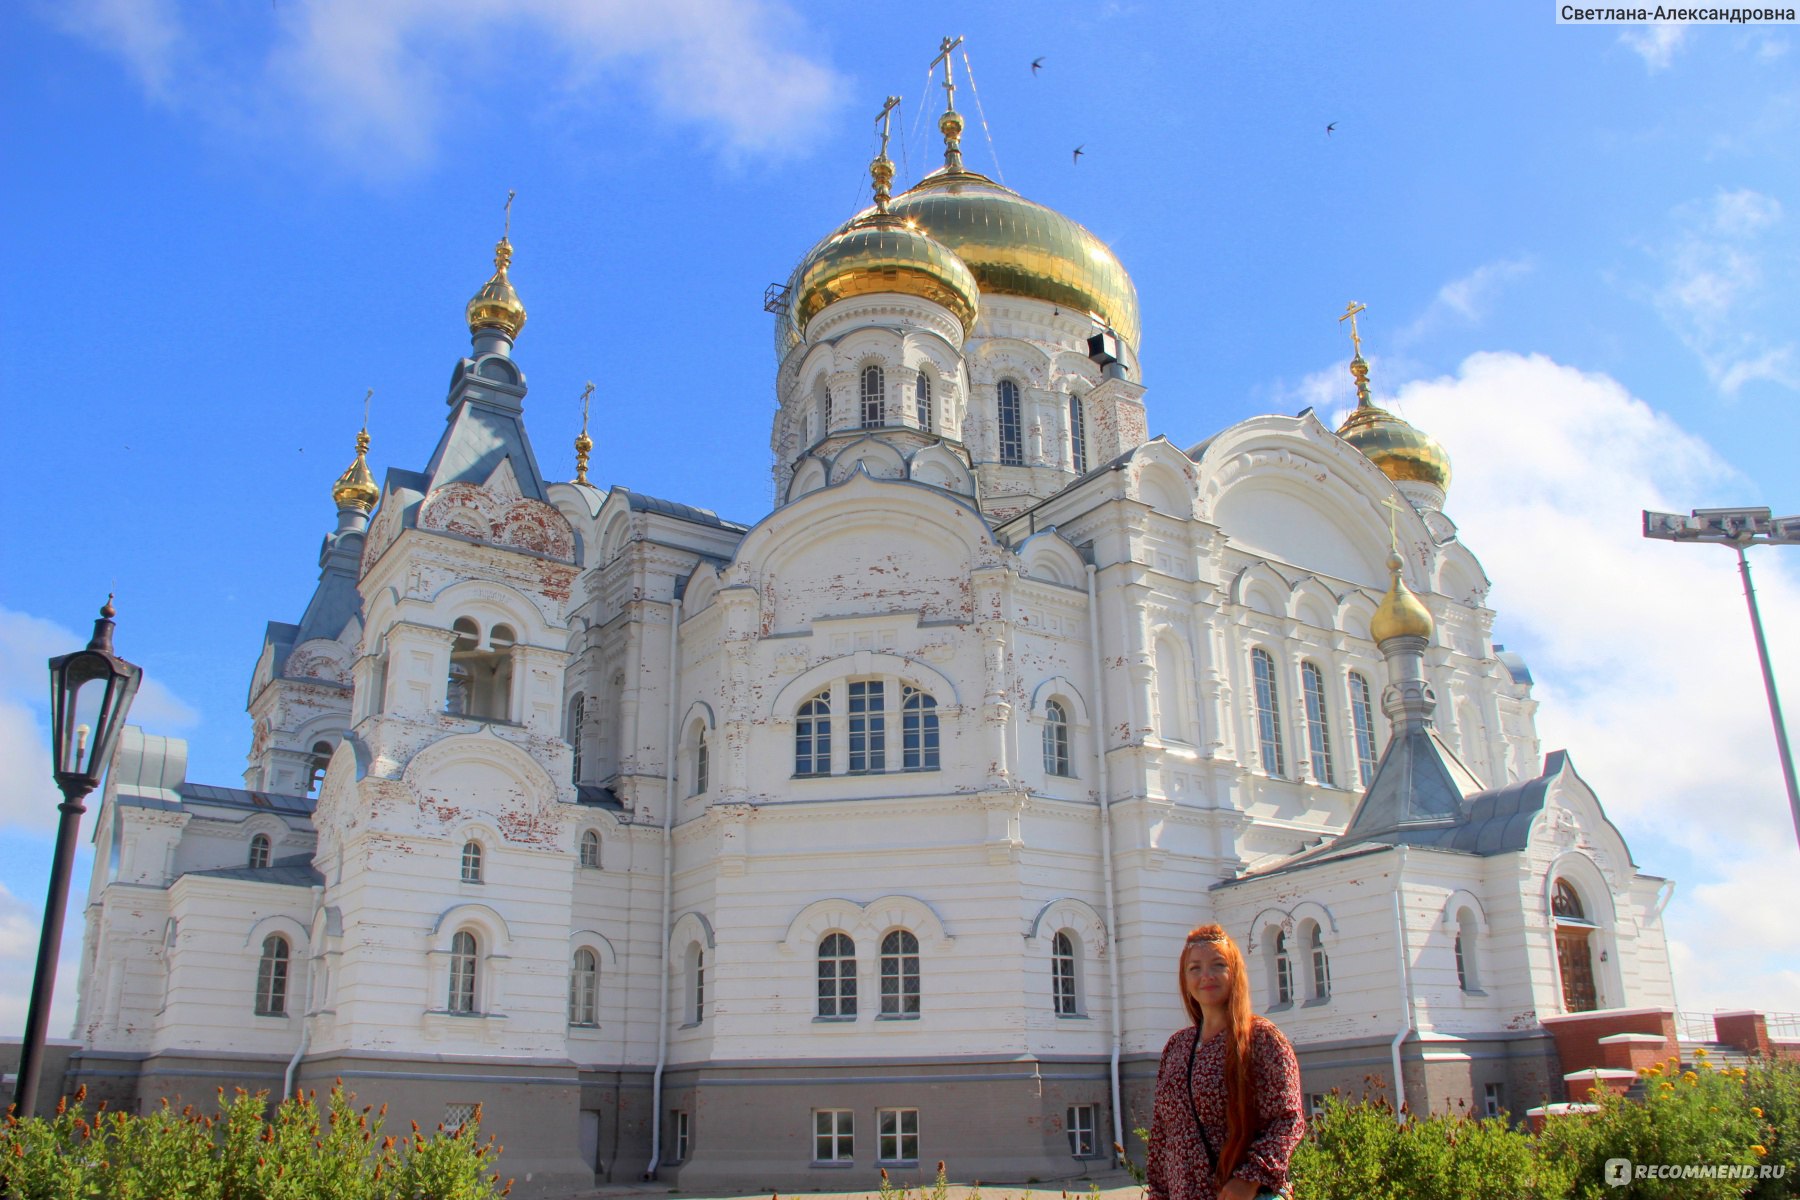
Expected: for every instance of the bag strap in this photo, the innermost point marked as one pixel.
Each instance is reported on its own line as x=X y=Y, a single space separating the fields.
x=1212 y=1156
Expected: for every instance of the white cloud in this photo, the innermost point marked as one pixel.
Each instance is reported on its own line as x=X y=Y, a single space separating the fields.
x=1642 y=650
x=375 y=84
x=20 y=927
x=1467 y=300
x=1656 y=44
x=28 y=797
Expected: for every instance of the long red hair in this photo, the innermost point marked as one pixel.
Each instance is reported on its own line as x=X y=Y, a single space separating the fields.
x=1240 y=1086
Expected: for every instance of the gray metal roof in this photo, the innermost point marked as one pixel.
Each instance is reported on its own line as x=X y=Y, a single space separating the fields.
x=681 y=512
x=224 y=797
x=1514 y=662
x=295 y=870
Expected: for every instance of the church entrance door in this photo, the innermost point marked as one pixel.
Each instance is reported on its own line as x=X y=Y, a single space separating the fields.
x=1577 y=966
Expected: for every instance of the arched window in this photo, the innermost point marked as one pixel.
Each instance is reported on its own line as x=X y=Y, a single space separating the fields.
x=1321 y=966
x=259 y=851
x=1077 y=437
x=321 y=758
x=584 y=989
x=577 y=714
x=1268 y=713
x=867 y=705
x=701 y=766
x=1362 y=717
x=471 y=862
x=1063 y=988
x=1565 y=902
x=1012 y=426
x=590 y=848
x=1574 y=948
x=462 y=972
x=922 y=401
x=1056 y=739
x=1284 y=971
x=696 y=981
x=272 y=978
x=918 y=730
x=1170 y=695
x=480 y=679
x=1318 y=734
x=1468 y=976
x=812 y=736
x=874 y=398
x=900 y=974
x=837 y=976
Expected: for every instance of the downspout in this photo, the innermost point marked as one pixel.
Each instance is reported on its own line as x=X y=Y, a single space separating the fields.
x=668 y=886
x=1106 y=861
x=1406 y=997
x=287 y=1078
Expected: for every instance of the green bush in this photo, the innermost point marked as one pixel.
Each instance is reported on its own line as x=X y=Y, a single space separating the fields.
x=1361 y=1150
x=242 y=1154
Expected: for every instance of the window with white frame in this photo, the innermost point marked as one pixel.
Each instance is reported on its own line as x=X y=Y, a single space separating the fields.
x=460 y=1114
x=590 y=848
x=696 y=980
x=702 y=765
x=1056 y=739
x=1011 y=424
x=1077 y=437
x=272 y=977
x=897 y=1138
x=1493 y=1099
x=922 y=401
x=1362 y=720
x=577 y=710
x=259 y=851
x=1315 y=1104
x=874 y=398
x=900 y=974
x=471 y=862
x=1284 y=971
x=1321 y=966
x=1084 y=1130
x=867 y=726
x=837 y=976
x=584 y=988
x=1064 y=986
x=812 y=736
x=1268 y=713
x=918 y=729
x=834 y=1135
x=462 y=973
x=680 y=1130
x=1318 y=732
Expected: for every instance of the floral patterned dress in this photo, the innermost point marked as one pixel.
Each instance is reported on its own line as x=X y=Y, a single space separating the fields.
x=1179 y=1167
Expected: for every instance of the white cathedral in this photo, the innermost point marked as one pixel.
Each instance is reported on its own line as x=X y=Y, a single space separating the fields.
x=866 y=835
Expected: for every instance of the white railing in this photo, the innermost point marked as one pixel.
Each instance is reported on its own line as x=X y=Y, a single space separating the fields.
x=1783 y=1027
x=1695 y=1027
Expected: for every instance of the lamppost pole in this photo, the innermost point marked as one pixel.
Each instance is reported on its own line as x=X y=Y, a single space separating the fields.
x=90 y=693
x=1741 y=528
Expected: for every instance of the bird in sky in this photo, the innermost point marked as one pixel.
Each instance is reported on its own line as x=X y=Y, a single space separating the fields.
x=1329 y=128
x=1036 y=64
x=1078 y=153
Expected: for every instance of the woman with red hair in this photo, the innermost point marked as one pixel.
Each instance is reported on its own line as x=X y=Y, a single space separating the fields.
x=1227 y=1113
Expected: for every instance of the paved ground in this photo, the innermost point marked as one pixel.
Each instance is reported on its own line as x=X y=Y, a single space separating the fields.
x=1111 y=1186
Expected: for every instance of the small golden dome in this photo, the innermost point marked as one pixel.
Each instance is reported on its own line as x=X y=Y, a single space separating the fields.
x=876 y=253
x=1401 y=614
x=1401 y=452
x=355 y=488
x=496 y=305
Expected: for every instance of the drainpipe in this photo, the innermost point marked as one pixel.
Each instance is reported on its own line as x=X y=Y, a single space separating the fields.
x=287 y=1078
x=668 y=886
x=1406 y=997
x=1106 y=862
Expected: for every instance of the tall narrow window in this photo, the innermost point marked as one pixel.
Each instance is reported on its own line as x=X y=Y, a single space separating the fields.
x=321 y=758
x=1084 y=1139
x=1462 y=966
x=1318 y=733
x=1062 y=975
x=1268 y=712
x=922 y=401
x=1321 y=966
x=918 y=729
x=837 y=976
x=1056 y=739
x=1012 y=425
x=590 y=848
x=471 y=862
x=699 y=985
x=1362 y=716
x=700 y=763
x=272 y=978
x=1077 y=437
x=679 y=1132
x=584 y=989
x=577 y=711
x=900 y=974
x=868 y=726
x=874 y=397
x=1468 y=974
x=259 y=851
x=462 y=973
x=812 y=736
x=1284 y=971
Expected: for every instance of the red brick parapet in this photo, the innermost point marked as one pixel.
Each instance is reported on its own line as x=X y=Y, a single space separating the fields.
x=1746 y=1031
x=1578 y=1035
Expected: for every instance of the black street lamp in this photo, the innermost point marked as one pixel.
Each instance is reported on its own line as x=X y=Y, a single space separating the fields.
x=90 y=693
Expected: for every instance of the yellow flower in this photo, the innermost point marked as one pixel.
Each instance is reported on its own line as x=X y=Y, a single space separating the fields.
x=1667 y=1086
x=1760 y=1151
x=1689 y=1077
x=1757 y=1113
x=1700 y=1051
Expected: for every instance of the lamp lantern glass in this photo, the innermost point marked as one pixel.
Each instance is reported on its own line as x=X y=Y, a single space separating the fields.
x=90 y=693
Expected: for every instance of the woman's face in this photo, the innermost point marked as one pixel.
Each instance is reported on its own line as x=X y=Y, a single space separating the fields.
x=1206 y=974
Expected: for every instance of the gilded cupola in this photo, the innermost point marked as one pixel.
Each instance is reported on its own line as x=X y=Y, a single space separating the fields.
x=496 y=305
x=1404 y=454
x=355 y=488
x=1401 y=614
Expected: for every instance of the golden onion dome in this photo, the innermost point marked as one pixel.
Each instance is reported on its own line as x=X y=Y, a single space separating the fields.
x=496 y=305
x=355 y=488
x=1401 y=613
x=1401 y=452
x=879 y=252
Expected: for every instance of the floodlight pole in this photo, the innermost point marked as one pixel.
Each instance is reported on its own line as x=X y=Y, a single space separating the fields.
x=1768 y=674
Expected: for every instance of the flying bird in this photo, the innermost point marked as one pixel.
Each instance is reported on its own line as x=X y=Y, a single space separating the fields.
x=1078 y=154
x=1329 y=128
x=1036 y=64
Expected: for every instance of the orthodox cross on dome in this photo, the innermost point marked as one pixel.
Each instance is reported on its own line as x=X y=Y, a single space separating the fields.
x=882 y=169
x=583 y=443
x=1350 y=312
x=949 y=84
x=1359 y=369
x=951 y=123
x=1393 y=508
x=506 y=231
x=367 y=396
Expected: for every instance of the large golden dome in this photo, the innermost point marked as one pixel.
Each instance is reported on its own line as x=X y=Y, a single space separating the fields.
x=882 y=253
x=1401 y=452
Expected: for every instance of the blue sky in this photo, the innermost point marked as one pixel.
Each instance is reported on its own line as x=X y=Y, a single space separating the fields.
x=1578 y=246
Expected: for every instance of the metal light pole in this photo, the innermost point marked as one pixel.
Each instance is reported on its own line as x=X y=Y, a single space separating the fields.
x=90 y=693
x=1741 y=528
